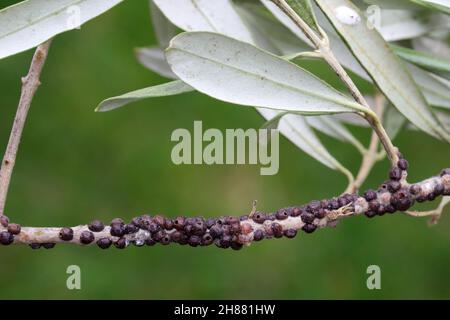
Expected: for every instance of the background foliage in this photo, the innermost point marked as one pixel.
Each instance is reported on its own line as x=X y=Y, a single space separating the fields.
x=75 y=165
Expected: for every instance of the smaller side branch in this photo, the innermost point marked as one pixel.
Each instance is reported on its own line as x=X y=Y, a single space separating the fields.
x=30 y=83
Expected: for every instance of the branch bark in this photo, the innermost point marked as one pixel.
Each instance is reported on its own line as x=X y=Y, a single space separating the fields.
x=30 y=83
x=235 y=232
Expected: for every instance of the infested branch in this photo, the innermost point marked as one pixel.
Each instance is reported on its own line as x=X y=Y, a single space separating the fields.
x=392 y=196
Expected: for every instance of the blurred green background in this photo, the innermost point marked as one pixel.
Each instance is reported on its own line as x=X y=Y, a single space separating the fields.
x=75 y=165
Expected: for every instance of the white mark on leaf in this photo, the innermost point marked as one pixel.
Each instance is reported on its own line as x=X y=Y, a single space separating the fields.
x=347 y=15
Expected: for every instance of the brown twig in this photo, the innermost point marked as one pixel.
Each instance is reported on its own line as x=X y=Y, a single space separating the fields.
x=30 y=83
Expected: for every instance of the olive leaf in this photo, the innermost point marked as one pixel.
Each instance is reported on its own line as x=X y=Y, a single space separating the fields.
x=29 y=23
x=439 y=5
x=383 y=65
x=436 y=90
x=205 y=15
x=163 y=28
x=423 y=59
x=162 y=90
x=303 y=9
x=154 y=59
x=238 y=72
x=393 y=122
x=332 y=127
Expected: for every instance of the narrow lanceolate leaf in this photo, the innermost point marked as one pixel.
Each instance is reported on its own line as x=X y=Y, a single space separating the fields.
x=439 y=5
x=304 y=10
x=30 y=23
x=164 y=29
x=332 y=127
x=436 y=92
x=162 y=90
x=238 y=72
x=393 y=122
x=382 y=64
x=423 y=59
x=205 y=15
x=297 y=130
x=154 y=59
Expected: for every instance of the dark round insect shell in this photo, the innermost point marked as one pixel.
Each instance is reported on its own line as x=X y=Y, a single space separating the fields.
x=210 y=222
x=4 y=221
x=445 y=171
x=296 y=212
x=175 y=236
x=96 y=226
x=198 y=228
x=307 y=217
x=6 y=238
x=165 y=240
x=431 y=196
x=87 y=237
x=313 y=206
x=374 y=205
x=282 y=214
x=421 y=198
x=150 y=242
x=271 y=217
x=403 y=164
x=225 y=242
x=104 y=243
x=243 y=217
x=258 y=235
x=381 y=210
x=216 y=231
x=117 y=230
x=183 y=239
x=389 y=208
x=324 y=203
x=168 y=224
x=121 y=243
x=232 y=220
x=277 y=230
x=178 y=223
x=235 y=228
x=159 y=220
x=194 y=241
x=236 y=246
x=334 y=204
x=153 y=227
x=49 y=245
x=309 y=228
x=207 y=239
x=401 y=200
x=66 y=234
x=290 y=233
x=370 y=213
x=35 y=246
x=438 y=189
x=259 y=217
x=14 y=228
x=343 y=201
x=395 y=173
x=145 y=221
x=159 y=235
x=320 y=214
x=137 y=221
x=415 y=189
x=394 y=186
x=117 y=221
x=131 y=228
